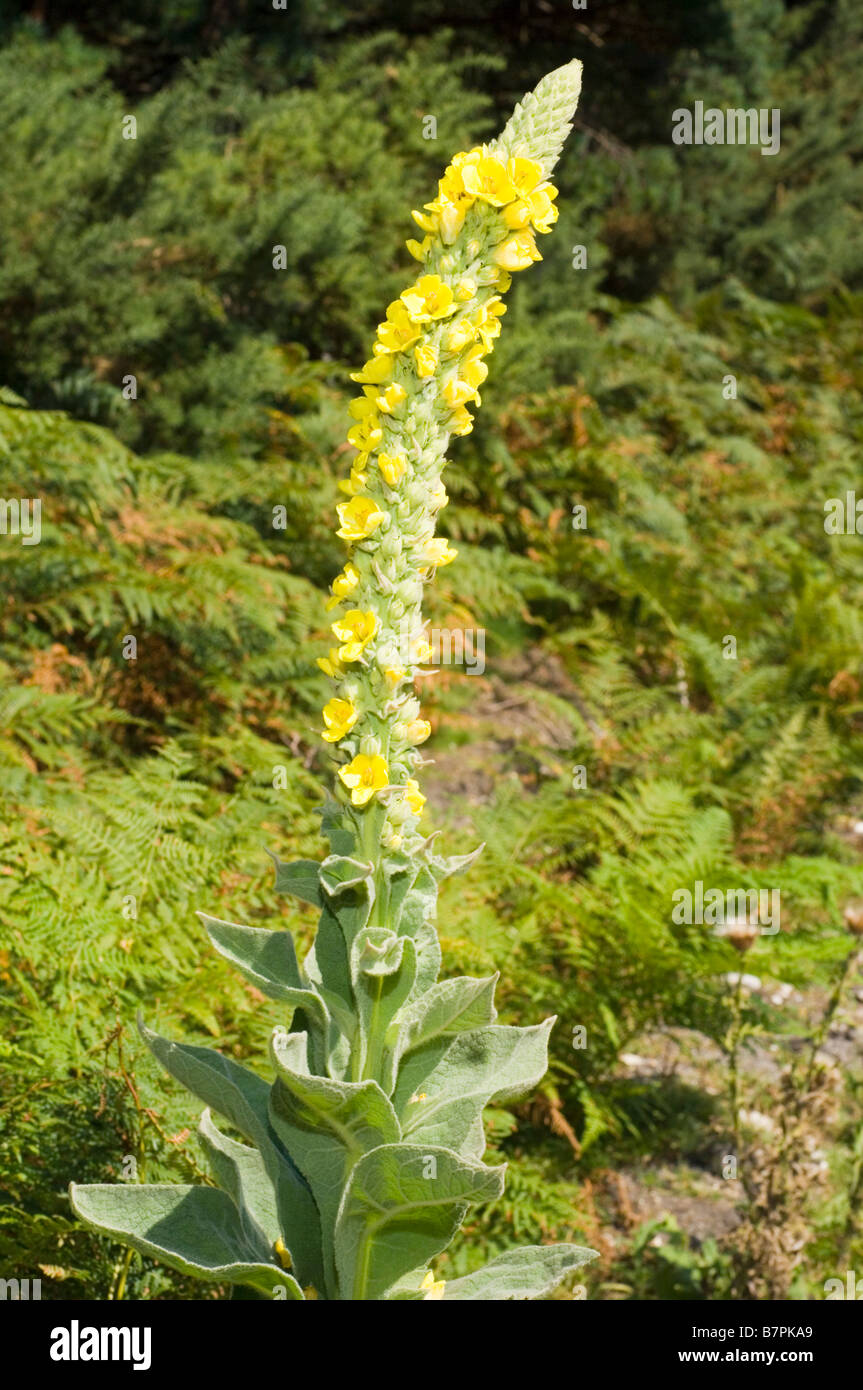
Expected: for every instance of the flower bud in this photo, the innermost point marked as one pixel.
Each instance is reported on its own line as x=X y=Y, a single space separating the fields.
x=391 y=545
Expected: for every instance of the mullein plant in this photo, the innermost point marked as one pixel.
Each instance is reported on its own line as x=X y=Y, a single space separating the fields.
x=359 y=1161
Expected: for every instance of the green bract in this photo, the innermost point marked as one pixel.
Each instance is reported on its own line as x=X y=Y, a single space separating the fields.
x=361 y=1158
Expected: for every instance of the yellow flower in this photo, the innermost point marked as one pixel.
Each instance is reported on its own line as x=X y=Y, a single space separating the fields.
x=537 y=208
x=394 y=674
x=419 y=249
x=417 y=731
x=461 y=421
x=439 y=552
x=524 y=174
x=377 y=369
x=424 y=222
x=517 y=215
x=462 y=332
x=517 y=252
x=489 y=328
x=391 y=398
x=470 y=157
x=472 y=369
x=421 y=652
x=355 y=483
x=340 y=716
x=466 y=288
x=398 y=332
x=343 y=584
x=354 y=630
x=425 y=357
x=366 y=435
x=438 y=497
x=283 y=1254
x=453 y=202
x=359 y=518
x=488 y=180
x=434 y=1288
x=428 y=299
x=457 y=392
x=364 y=776
x=363 y=407
x=451 y=217
x=392 y=468
x=414 y=797
x=451 y=186
x=330 y=665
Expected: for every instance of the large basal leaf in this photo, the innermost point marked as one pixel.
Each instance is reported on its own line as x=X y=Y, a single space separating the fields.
x=195 y=1230
x=527 y=1273
x=403 y=1205
x=241 y=1172
x=443 y=1087
x=243 y=1099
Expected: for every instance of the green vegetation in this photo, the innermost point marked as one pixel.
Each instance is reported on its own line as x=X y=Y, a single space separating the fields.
x=136 y=791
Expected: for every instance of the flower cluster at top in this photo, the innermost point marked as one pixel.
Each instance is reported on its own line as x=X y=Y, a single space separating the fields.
x=426 y=368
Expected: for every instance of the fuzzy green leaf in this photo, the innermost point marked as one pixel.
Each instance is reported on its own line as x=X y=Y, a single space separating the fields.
x=450 y=1006
x=527 y=1273
x=459 y=1078
x=243 y=1099
x=403 y=1205
x=326 y=1126
x=339 y=872
x=384 y=969
x=327 y=962
x=266 y=958
x=300 y=879
x=240 y=1171
x=417 y=920
x=193 y=1229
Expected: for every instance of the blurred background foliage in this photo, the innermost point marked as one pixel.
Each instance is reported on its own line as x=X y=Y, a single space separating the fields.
x=134 y=792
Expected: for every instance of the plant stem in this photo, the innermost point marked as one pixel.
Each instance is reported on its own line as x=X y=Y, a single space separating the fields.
x=734 y=1069
x=823 y=1028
